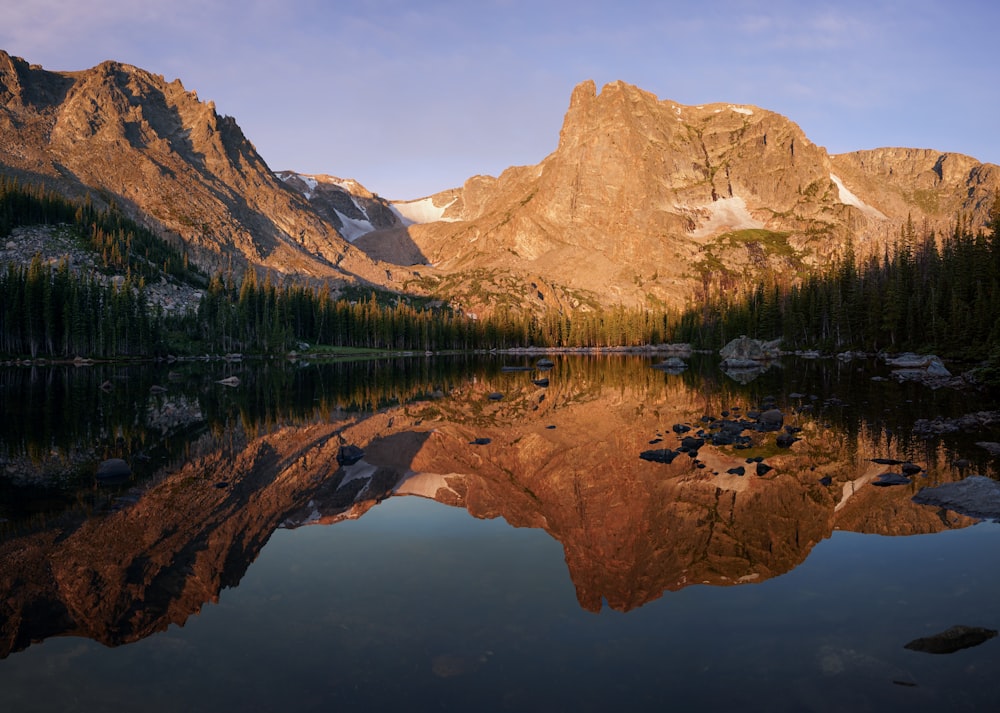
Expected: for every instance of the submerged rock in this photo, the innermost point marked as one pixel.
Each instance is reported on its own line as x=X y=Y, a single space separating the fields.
x=691 y=443
x=785 y=440
x=992 y=447
x=954 y=639
x=729 y=433
x=771 y=420
x=967 y=423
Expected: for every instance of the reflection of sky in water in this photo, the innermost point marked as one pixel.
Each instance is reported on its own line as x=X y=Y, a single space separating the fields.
x=418 y=605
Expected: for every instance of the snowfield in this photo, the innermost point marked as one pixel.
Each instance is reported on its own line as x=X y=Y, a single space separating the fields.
x=728 y=214
x=421 y=211
x=353 y=229
x=848 y=198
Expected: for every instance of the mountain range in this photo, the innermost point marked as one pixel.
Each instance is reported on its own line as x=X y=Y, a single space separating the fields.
x=644 y=203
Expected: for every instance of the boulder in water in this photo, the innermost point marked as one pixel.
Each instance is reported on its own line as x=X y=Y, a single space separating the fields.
x=113 y=470
x=745 y=352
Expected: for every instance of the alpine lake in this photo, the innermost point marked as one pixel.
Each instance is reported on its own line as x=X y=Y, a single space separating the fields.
x=492 y=533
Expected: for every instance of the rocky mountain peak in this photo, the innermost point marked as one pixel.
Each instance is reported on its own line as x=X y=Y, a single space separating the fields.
x=645 y=201
x=171 y=161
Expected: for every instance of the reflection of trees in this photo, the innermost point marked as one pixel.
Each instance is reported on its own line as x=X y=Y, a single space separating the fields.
x=195 y=529
x=57 y=422
x=563 y=458
x=632 y=529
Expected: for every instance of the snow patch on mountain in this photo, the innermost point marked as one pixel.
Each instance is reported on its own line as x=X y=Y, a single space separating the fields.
x=421 y=211
x=848 y=198
x=311 y=184
x=725 y=214
x=353 y=229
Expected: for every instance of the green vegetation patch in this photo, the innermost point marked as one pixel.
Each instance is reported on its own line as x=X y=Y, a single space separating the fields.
x=773 y=242
x=926 y=199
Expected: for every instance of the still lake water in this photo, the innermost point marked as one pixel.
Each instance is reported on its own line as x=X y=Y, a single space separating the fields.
x=243 y=568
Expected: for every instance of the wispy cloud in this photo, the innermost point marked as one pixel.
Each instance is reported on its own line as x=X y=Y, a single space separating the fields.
x=803 y=27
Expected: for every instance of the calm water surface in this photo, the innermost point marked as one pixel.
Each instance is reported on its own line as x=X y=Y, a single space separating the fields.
x=242 y=567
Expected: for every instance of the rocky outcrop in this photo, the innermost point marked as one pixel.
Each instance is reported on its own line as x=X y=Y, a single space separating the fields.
x=345 y=203
x=930 y=187
x=744 y=352
x=951 y=640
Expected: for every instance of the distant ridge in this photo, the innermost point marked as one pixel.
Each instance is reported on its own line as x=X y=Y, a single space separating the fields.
x=645 y=202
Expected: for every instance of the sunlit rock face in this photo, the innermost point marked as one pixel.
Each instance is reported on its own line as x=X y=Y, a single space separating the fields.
x=644 y=202
x=119 y=133
x=643 y=197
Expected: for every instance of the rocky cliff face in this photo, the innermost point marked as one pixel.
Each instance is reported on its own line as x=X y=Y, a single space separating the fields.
x=924 y=185
x=121 y=134
x=645 y=201
x=345 y=203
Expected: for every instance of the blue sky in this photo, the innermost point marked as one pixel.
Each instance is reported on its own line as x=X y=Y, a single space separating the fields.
x=411 y=98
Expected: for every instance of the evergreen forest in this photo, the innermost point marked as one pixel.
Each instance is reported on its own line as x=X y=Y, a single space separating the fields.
x=927 y=293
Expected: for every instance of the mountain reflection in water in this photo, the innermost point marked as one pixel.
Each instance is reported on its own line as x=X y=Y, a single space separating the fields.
x=218 y=470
